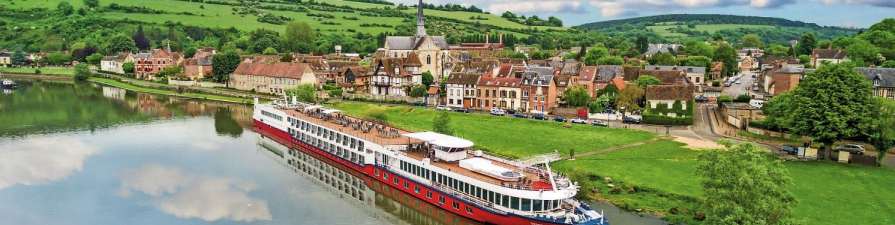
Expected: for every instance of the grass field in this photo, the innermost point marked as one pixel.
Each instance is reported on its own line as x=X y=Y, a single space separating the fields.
x=166 y=92
x=711 y=28
x=855 y=194
x=513 y=137
x=47 y=71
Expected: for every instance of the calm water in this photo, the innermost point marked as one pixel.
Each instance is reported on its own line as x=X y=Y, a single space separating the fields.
x=90 y=154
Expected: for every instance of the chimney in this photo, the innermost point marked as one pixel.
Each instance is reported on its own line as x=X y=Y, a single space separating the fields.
x=487 y=37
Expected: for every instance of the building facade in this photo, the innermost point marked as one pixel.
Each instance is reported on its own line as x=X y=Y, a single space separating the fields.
x=272 y=78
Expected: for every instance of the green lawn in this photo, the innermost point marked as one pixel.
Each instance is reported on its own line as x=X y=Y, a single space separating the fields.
x=166 y=92
x=47 y=71
x=769 y=138
x=858 y=194
x=711 y=28
x=513 y=137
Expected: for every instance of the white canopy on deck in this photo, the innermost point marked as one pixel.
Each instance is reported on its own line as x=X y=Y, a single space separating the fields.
x=328 y=111
x=441 y=139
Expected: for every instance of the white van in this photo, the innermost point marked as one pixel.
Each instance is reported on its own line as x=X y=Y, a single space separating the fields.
x=756 y=103
x=497 y=111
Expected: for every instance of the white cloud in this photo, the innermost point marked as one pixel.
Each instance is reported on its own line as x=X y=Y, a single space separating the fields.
x=37 y=161
x=882 y=3
x=612 y=8
x=187 y=196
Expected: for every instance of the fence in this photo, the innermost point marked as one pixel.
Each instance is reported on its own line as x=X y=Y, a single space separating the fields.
x=866 y=160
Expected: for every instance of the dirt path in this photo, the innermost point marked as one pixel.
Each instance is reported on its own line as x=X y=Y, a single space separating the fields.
x=618 y=147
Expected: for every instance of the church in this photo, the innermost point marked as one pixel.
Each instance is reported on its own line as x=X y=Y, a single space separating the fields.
x=432 y=50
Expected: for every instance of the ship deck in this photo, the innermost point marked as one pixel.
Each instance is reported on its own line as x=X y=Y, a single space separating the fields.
x=347 y=129
x=536 y=182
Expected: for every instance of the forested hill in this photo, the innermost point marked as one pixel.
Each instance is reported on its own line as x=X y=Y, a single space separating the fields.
x=703 y=19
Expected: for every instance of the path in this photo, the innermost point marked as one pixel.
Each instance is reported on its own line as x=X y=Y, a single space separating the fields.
x=618 y=147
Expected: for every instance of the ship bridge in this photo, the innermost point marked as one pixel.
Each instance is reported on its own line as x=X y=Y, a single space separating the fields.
x=446 y=147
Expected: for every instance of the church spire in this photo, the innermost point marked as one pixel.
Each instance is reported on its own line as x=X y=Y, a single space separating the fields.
x=420 y=22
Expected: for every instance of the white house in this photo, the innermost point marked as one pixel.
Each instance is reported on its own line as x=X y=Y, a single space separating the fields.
x=461 y=90
x=114 y=63
x=835 y=56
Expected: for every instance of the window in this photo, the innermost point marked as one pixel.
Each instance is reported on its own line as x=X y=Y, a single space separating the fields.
x=441 y=199
x=429 y=60
x=406 y=185
x=396 y=180
x=456 y=205
x=376 y=172
x=468 y=210
x=416 y=189
x=429 y=194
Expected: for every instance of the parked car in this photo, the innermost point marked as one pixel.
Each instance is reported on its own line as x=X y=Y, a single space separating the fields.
x=511 y=111
x=462 y=110
x=851 y=148
x=727 y=84
x=789 y=150
x=608 y=111
x=442 y=107
x=598 y=123
x=497 y=112
x=631 y=120
x=520 y=115
x=538 y=116
x=754 y=76
x=418 y=103
x=579 y=121
x=701 y=99
x=739 y=82
x=560 y=119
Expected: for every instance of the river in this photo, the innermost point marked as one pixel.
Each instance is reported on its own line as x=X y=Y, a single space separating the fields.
x=93 y=154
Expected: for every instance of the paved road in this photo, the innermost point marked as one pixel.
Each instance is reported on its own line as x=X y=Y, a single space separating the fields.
x=744 y=87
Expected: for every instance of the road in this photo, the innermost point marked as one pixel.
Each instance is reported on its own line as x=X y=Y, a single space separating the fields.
x=744 y=87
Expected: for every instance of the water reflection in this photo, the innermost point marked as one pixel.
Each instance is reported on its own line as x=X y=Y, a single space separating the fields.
x=188 y=196
x=38 y=161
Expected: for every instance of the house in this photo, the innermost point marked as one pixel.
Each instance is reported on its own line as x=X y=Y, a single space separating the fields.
x=433 y=51
x=745 y=52
x=539 y=92
x=746 y=64
x=780 y=79
x=498 y=92
x=715 y=72
x=115 y=63
x=711 y=92
x=147 y=64
x=619 y=83
x=695 y=74
x=562 y=82
x=674 y=87
x=605 y=75
x=272 y=78
x=5 y=59
x=200 y=65
x=770 y=61
x=586 y=79
x=389 y=76
x=661 y=48
x=351 y=78
x=882 y=79
x=739 y=113
x=461 y=90
x=834 y=56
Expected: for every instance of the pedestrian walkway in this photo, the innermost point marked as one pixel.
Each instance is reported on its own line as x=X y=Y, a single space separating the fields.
x=619 y=147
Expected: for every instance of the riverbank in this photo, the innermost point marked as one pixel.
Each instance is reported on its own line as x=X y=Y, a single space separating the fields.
x=119 y=84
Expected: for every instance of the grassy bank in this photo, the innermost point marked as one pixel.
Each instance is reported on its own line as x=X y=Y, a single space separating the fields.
x=663 y=175
x=769 y=138
x=45 y=71
x=508 y=136
x=167 y=92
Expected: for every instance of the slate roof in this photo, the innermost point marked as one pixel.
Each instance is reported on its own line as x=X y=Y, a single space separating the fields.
x=538 y=80
x=607 y=73
x=406 y=42
x=412 y=60
x=768 y=59
x=570 y=68
x=668 y=77
x=280 y=69
x=464 y=79
x=687 y=69
x=5 y=54
x=587 y=74
x=656 y=48
x=670 y=92
x=829 y=53
x=886 y=76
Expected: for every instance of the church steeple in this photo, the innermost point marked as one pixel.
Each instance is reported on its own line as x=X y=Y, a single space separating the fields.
x=420 y=22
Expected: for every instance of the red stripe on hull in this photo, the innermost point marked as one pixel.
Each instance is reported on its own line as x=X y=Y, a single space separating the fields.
x=477 y=214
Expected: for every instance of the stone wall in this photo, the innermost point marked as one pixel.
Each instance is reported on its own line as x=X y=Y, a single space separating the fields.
x=196 y=83
x=387 y=98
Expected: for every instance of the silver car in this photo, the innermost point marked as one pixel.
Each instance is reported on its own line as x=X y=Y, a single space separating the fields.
x=851 y=148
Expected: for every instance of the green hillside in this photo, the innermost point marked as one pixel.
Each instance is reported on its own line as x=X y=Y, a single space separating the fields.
x=668 y=30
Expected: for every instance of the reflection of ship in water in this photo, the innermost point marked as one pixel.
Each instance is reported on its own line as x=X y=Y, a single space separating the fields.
x=370 y=195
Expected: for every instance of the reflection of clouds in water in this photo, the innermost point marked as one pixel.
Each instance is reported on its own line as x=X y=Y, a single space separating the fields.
x=187 y=196
x=36 y=161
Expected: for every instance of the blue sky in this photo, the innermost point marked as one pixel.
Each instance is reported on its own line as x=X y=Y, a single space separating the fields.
x=859 y=13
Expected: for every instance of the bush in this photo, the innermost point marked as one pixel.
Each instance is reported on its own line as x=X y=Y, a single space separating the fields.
x=36 y=71
x=664 y=120
x=743 y=98
x=82 y=71
x=724 y=99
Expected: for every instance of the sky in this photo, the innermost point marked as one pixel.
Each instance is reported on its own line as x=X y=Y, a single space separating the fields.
x=850 y=13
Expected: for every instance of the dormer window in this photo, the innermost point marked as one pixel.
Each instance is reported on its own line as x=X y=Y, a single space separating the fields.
x=397 y=70
x=876 y=82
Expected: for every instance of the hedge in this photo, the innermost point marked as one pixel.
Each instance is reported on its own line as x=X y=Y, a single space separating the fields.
x=664 y=120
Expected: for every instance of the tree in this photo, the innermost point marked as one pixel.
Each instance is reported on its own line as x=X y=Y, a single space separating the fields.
x=743 y=98
x=140 y=40
x=57 y=58
x=611 y=60
x=645 y=80
x=428 y=79
x=752 y=41
x=642 y=44
x=120 y=43
x=297 y=32
x=222 y=64
x=630 y=98
x=18 y=58
x=602 y=102
x=819 y=108
x=882 y=132
x=889 y=64
x=610 y=89
x=698 y=61
x=698 y=48
x=82 y=72
x=778 y=50
x=418 y=91
x=745 y=185
x=270 y=51
x=595 y=54
x=825 y=44
x=91 y=3
x=82 y=53
x=95 y=59
x=807 y=44
x=804 y=59
x=863 y=53
x=576 y=97
x=189 y=52
x=128 y=67
x=65 y=8
x=305 y=92
x=168 y=71
x=728 y=58
x=663 y=59
x=287 y=58
x=442 y=123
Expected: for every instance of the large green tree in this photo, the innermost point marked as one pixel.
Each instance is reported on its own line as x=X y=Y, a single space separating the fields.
x=863 y=53
x=753 y=41
x=297 y=33
x=64 y=8
x=304 y=93
x=442 y=123
x=630 y=98
x=663 y=59
x=698 y=48
x=82 y=72
x=595 y=54
x=95 y=59
x=18 y=58
x=91 y=3
x=576 y=97
x=119 y=43
x=222 y=64
x=882 y=132
x=700 y=61
x=807 y=44
x=611 y=60
x=821 y=108
x=728 y=58
x=744 y=184
x=428 y=79
x=645 y=80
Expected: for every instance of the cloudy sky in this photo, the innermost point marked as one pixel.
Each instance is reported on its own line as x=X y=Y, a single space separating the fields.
x=860 y=13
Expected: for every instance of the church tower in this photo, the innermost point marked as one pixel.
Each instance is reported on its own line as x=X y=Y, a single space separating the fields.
x=420 y=24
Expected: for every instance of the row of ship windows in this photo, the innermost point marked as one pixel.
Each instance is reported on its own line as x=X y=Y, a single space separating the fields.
x=517 y=203
x=327 y=134
x=271 y=115
x=329 y=147
x=416 y=189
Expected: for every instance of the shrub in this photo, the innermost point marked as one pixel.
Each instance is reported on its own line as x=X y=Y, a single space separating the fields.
x=82 y=71
x=664 y=120
x=36 y=71
x=724 y=99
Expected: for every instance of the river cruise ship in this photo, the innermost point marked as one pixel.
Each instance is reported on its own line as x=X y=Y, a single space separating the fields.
x=439 y=169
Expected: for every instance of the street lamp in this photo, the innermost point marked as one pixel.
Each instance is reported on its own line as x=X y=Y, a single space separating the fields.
x=623 y=112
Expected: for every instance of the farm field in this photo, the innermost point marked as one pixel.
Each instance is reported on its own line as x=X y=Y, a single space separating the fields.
x=860 y=192
x=501 y=135
x=711 y=28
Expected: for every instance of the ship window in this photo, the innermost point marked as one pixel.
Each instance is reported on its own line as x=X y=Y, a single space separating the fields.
x=441 y=199
x=468 y=210
x=456 y=205
x=539 y=205
x=429 y=194
x=416 y=189
x=376 y=172
x=514 y=202
x=526 y=204
x=406 y=185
